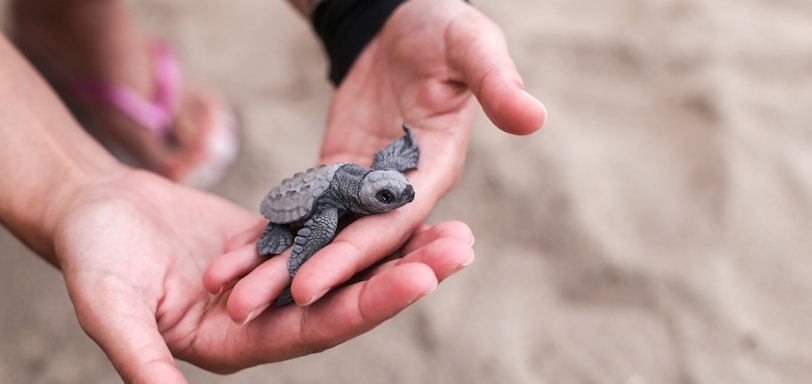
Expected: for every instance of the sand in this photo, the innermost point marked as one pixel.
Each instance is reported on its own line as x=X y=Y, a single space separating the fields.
x=657 y=230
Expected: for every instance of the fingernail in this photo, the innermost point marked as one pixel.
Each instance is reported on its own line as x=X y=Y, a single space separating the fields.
x=532 y=98
x=253 y=314
x=470 y=260
x=317 y=296
x=473 y=240
x=434 y=288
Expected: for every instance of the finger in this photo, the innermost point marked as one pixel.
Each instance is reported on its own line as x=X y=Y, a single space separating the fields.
x=360 y=307
x=445 y=256
x=478 y=51
x=249 y=236
x=425 y=243
x=257 y=290
x=124 y=326
x=361 y=245
x=427 y=234
x=225 y=269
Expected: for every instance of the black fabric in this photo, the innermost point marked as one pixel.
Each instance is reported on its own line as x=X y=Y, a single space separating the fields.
x=345 y=27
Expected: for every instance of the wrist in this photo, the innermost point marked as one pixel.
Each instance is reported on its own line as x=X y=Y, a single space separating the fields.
x=304 y=7
x=35 y=216
x=345 y=27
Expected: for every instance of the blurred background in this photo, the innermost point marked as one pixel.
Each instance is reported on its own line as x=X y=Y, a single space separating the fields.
x=657 y=230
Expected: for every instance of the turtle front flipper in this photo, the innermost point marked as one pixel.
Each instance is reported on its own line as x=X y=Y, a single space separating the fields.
x=275 y=239
x=316 y=233
x=401 y=155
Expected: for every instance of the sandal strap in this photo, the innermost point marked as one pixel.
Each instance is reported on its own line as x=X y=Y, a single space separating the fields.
x=155 y=115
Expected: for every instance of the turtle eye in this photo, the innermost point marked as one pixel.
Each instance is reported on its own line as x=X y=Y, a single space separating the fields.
x=385 y=196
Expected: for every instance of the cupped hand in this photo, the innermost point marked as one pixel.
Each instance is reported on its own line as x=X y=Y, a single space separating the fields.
x=133 y=252
x=430 y=64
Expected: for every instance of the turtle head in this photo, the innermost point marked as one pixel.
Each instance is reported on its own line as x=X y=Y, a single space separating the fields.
x=383 y=191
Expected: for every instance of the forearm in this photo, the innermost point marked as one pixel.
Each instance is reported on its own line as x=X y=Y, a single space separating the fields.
x=46 y=159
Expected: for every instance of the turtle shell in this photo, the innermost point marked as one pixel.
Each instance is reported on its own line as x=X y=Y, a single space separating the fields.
x=295 y=198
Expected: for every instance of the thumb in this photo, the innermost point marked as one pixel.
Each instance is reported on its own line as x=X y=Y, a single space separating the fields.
x=123 y=325
x=478 y=52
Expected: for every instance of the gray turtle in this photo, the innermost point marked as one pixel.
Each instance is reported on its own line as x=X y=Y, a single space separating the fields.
x=314 y=200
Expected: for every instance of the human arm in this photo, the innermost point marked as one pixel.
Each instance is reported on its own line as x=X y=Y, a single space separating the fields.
x=133 y=246
x=45 y=158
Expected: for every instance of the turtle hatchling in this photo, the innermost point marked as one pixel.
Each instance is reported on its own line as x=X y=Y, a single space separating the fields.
x=311 y=202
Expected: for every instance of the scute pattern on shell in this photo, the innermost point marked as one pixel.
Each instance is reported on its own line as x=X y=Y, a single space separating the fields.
x=294 y=199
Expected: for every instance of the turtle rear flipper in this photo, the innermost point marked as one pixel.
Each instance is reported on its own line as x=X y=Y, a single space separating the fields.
x=313 y=236
x=275 y=239
x=284 y=298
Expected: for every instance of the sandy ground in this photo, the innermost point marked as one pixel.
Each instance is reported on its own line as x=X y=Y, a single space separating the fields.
x=656 y=231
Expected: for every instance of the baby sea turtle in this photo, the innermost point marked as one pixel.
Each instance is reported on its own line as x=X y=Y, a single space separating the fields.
x=311 y=202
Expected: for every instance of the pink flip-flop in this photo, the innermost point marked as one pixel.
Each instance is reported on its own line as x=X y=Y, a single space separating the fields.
x=157 y=115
